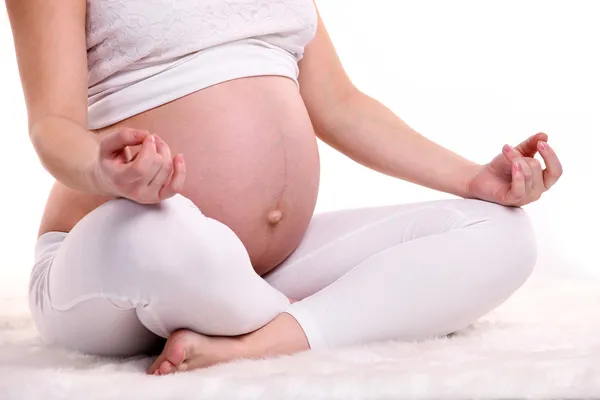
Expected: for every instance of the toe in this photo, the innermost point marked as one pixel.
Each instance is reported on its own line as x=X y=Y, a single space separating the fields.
x=166 y=368
x=153 y=370
x=173 y=353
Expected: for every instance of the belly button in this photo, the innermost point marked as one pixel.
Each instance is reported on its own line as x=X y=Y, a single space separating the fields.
x=274 y=217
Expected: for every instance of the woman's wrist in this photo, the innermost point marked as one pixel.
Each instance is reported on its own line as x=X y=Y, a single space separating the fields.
x=68 y=152
x=95 y=180
x=464 y=179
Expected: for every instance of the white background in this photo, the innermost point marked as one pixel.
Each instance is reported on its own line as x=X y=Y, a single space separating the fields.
x=471 y=75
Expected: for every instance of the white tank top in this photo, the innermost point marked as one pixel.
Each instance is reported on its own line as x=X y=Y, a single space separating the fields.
x=144 y=53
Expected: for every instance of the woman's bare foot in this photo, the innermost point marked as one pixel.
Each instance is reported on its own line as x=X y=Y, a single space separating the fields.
x=186 y=350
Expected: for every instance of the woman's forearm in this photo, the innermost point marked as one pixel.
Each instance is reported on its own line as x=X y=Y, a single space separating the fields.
x=369 y=133
x=67 y=150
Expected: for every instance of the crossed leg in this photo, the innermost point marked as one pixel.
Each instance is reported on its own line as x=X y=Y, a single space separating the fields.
x=407 y=272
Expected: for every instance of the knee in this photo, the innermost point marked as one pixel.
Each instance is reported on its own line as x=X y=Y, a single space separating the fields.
x=170 y=239
x=192 y=272
x=512 y=234
x=177 y=267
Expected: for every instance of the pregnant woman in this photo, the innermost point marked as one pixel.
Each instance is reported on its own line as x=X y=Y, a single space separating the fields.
x=186 y=185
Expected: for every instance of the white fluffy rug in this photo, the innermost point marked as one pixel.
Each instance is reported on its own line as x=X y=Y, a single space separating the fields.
x=543 y=343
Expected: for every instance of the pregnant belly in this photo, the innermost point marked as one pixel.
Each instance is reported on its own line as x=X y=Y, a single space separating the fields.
x=252 y=160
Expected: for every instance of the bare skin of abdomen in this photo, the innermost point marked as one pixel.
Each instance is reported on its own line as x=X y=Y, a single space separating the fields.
x=251 y=158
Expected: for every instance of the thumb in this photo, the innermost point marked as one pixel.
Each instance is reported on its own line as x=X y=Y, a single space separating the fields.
x=528 y=148
x=115 y=142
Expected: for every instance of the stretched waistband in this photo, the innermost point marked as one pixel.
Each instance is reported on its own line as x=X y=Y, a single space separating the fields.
x=128 y=93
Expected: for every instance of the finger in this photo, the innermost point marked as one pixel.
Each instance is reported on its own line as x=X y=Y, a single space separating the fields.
x=528 y=173
x=554 y=167
x=116 y=141
x=513 y=156
x=175 y=185
x=132 y=152
x=537 y=176
x=165 y=170
x=528 y=148
x=517 y=192
x=167 y=183
x=127 y=155
x=146 y=165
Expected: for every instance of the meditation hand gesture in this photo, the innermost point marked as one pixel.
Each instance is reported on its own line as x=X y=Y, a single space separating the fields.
x=515 y=177
x=148 y=177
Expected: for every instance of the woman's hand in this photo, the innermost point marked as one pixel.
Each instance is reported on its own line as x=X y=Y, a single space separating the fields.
x=514 y=177
x=152 y=175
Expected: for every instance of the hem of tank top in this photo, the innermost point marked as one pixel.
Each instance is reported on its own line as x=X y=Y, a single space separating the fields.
x=168 y=86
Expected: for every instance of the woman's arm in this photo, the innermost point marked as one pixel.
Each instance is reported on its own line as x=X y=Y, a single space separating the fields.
x=368 y=132
x=50 y=42
x=49 y=37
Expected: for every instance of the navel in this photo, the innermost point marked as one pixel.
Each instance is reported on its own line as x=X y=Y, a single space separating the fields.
x=274 y=217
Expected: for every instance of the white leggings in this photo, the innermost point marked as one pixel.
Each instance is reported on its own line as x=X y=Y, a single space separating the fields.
x=128 y=274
